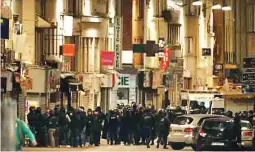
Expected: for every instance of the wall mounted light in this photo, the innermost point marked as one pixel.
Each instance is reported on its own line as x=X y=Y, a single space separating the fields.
x=226 y=8
x=218 y=6
x=197 y=3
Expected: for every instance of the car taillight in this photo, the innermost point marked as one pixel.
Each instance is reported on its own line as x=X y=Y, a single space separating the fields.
x=201 y=133
x=247 y=133
x=188 y=130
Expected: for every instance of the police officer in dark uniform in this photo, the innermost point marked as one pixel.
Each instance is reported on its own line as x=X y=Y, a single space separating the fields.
x=96 y=127
x=88 y=127
x=147 y=123
x=233 y=134
x=113 y=126
x=163 y=129
x=64 y=120
x=32 y=119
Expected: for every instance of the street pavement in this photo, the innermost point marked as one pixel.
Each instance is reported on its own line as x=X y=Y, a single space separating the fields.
x=105 y=147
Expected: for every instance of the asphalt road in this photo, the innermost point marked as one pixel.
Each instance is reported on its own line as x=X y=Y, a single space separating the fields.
x=105 y=147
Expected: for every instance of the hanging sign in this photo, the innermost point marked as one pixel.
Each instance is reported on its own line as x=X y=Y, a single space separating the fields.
x=107 y=58
x=117 y=42
x=68 y=49
x=165 y=60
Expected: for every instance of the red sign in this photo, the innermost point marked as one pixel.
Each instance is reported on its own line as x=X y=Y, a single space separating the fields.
x=165 y=60
x=68 y=50
x=107 y=58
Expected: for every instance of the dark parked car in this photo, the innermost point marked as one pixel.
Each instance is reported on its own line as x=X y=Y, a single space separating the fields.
x=213 y=135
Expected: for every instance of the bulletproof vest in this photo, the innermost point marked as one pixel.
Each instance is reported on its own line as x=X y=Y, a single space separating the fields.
x=162 y=123
x=53 y=122
x=62 y=119
x=147 y=120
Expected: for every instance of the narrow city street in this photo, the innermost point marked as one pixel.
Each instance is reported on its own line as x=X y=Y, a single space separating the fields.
x=105 y=147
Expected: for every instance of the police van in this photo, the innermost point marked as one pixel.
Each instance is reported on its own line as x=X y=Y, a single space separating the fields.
x=209 y=101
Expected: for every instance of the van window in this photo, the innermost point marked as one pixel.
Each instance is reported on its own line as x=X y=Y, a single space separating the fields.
x=183 y=120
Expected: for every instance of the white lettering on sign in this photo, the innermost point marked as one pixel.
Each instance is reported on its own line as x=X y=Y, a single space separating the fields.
x=117 y=42
x=123 y=81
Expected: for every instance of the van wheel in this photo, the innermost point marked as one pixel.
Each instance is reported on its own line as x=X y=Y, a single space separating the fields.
x=177 y=146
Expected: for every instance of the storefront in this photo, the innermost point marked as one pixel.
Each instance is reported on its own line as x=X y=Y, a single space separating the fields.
x=239 y=102
x=125 y=88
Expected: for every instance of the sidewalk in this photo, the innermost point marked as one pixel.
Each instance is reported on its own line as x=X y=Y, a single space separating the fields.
x=103 y=143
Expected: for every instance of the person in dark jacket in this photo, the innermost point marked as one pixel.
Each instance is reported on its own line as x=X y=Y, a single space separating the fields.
x=32 y=119
x=96 y=126
x=126 y=126
x=44 y=120
x=74 y=127
x=52 y=125
x=113 y=126
x=163 y=129
x=64 y=120
x=233 y=133
x=147 y=123
x=83 y=121
x=88 y=128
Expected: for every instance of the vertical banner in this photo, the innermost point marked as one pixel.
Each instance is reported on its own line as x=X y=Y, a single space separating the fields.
x=165 y=60
x=118 y=41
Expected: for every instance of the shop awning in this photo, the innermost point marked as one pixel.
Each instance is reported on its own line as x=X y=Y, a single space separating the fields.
x=127 y=70
x=240 y=96
x=70 y=82
x=41 y=23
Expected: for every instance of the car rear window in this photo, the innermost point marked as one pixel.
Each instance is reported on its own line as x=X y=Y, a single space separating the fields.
x=246 y=125
x=215 y=125
x=202 y=119
x=183 y=120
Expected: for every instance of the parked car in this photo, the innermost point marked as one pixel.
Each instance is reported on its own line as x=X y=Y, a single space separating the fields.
x=181 y=130
x=211 y=135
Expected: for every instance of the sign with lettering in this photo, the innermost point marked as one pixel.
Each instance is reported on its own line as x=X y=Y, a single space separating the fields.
x=117 y=42
x=165 y=60
x=123 y=80
x=107 y=58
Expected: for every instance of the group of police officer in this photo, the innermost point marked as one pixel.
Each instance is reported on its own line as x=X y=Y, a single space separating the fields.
x=74 y=127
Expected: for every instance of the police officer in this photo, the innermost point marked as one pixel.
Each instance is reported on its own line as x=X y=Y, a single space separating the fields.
x=88 y=128
x=163 y=129
x=32 y=119
x=83 y=121
x=64 y=120
x=147 y=123
x=113 y=126
x=52 y=125
x=96 y=127
x=233 y=134
x=126 y=126
x=74 y=127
